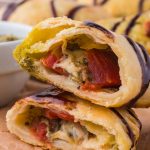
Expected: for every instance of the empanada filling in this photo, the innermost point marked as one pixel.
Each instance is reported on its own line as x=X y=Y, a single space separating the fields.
x=59 y=129
x=92 y=65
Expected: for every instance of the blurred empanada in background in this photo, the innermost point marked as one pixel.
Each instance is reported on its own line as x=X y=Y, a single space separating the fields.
x=137 y=27
x=119 y=8
x=33 y=11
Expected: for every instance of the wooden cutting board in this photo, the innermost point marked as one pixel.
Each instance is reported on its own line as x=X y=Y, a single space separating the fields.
x=11 y=142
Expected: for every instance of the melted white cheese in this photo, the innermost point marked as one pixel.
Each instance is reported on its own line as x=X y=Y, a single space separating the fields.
x=68 y=65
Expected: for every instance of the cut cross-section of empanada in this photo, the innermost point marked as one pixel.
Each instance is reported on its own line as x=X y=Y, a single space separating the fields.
x=59 y=120
x=87 y=60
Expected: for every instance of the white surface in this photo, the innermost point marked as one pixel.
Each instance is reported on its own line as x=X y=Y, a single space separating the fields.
x=10 y=85
x=12 y=77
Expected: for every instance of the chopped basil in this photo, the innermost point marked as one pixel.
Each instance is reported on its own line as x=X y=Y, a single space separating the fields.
x=27 y=123
x=72 y=46
x=85 y=61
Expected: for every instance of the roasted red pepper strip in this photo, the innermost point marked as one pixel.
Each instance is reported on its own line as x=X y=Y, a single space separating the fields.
x=40 y=130
x=104 y=70
x=54 y=114
x=49 y=62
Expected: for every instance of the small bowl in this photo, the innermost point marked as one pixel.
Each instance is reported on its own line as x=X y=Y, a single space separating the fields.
x=12 y=77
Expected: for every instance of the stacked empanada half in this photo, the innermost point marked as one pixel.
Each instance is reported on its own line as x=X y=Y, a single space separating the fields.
x=95 y=71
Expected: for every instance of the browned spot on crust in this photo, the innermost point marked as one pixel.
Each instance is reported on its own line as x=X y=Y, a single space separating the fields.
x=20 y=102
x=147 y=28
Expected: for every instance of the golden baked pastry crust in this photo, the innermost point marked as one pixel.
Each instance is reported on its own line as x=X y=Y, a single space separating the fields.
x=121 y=124
x=56 y=30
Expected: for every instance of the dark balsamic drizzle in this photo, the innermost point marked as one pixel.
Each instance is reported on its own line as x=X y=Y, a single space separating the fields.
x=94 y=25
x=140 y=6
x=145 y=54
x=129 y=130
x=51 y=91
x=103 y=2
x=147 y=61
x=52 y=5
x=117 y=24
x=53 y=95
x=136 y=118
x=73 y=11
x=94 y=2
x=131 y=24
x=10 y=8
x=145 y=67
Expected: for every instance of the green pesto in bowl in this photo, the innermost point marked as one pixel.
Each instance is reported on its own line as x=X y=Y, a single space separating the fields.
x=8 y=37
